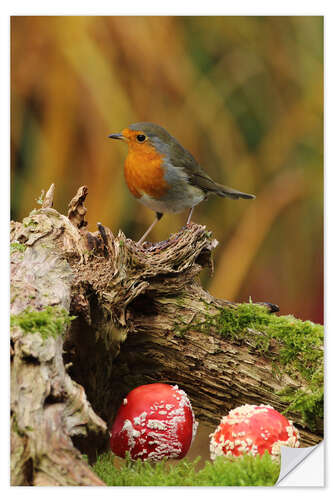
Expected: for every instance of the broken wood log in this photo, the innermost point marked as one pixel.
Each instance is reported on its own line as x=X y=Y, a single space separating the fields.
x=95 y=315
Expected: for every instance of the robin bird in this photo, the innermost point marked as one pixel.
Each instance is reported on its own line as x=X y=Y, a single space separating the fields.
x=163 y=175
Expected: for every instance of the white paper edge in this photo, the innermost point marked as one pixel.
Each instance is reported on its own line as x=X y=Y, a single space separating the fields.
x=292 y=458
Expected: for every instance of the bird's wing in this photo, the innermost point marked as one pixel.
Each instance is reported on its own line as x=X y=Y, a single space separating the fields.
x=198 y=177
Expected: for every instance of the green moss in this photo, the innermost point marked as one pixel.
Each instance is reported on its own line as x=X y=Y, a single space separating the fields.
x=309 y=403
x=50 y=322
x=225 y=471
x=294 y=347
x=17 y=247
x=179 y=332
x=41 y=198
x=29 y=222
x=15 y=427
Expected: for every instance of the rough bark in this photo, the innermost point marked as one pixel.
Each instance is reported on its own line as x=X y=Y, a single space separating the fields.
x=131 y=304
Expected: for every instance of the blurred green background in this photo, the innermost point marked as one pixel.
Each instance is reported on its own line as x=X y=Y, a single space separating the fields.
x=243 y=94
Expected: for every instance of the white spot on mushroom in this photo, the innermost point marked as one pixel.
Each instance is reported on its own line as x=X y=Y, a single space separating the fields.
x=131 y=433
x=157 y=424
x=140 y=419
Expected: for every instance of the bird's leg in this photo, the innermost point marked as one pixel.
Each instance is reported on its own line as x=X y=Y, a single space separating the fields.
x=189 y=216
x=158 y=217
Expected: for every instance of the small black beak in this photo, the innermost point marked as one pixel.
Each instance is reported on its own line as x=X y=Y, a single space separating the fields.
x=116 y=136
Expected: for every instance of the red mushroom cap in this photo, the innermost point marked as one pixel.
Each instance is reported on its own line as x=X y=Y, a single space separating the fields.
x=252 y=430
x=154 y=421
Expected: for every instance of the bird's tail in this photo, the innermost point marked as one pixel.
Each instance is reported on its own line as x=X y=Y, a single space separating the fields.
x=227 y=192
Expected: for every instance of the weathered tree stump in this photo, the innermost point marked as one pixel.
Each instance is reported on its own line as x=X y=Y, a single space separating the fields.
x=140 y=316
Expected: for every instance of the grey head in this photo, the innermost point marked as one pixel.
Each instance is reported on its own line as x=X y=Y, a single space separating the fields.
x=164 y=142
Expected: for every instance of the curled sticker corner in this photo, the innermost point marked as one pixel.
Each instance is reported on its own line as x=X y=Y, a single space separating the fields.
x=292 y=457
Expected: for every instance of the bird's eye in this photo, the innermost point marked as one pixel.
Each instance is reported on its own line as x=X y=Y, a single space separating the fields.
x=140 y=137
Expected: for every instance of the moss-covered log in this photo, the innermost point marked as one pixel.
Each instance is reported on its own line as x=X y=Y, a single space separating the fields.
x=48 y=408
x=140 y=316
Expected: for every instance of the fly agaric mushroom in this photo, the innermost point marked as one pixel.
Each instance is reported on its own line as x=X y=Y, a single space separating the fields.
x=154 y=421
x=252 y=430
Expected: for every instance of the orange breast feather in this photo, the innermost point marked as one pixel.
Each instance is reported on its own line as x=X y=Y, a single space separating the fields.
x=144 y=173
